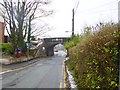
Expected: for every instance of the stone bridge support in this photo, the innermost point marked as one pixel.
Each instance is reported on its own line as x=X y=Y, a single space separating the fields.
x=50 y=51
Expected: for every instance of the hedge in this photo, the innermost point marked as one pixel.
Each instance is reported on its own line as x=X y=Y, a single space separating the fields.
x=94 y=61
x=6 y=48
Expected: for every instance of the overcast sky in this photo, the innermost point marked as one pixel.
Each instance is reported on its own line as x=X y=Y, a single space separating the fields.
x=61 y=19
x=88 y=13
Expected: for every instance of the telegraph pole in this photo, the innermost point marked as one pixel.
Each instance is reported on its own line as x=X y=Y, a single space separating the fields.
x=73 y=22
x=119 y=14
x=119 y=41
x=73 y=15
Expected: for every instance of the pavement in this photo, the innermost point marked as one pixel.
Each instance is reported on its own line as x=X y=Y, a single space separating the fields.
x=4 y=60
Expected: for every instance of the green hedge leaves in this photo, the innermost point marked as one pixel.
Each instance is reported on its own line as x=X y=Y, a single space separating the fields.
x=93 y=60
x=6 y=48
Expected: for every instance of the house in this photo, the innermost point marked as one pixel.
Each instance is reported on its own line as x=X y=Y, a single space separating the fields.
x=1 y=30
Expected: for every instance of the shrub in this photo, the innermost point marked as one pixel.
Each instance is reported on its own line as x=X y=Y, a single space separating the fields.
x=94 y=61
x=6 y=48
x=77 y=38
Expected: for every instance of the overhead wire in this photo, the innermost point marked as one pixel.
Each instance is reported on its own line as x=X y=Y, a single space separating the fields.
x=76 y=6
x=94 y=10
x=101 y=6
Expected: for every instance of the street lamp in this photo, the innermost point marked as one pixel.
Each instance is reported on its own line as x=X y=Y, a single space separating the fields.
x=72 y=23
x=68 y=32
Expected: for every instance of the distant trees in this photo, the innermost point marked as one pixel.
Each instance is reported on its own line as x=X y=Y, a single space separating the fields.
x=18 y=16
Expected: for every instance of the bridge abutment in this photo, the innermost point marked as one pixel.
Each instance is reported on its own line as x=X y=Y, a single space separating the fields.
x=50 y=51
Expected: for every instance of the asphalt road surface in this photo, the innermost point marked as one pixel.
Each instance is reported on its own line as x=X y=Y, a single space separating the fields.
x=46 y=73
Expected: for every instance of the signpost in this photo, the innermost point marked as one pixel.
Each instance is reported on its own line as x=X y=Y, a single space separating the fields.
x=28 y=46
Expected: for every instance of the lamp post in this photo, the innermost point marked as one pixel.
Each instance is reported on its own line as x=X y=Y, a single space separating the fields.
x=73 y=13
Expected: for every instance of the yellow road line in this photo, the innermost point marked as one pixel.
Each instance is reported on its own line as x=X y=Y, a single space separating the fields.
x=18 y=68
x=64 y=78
x=61 y=85
x=62 y=73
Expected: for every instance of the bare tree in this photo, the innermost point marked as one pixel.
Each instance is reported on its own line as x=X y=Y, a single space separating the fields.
x=18 y=16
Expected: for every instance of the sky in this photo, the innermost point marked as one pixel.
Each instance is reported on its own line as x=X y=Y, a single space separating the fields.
x=88 y=13
x=61 y=20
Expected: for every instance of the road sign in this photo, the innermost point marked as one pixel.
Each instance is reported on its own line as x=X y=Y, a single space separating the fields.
x=28 y=44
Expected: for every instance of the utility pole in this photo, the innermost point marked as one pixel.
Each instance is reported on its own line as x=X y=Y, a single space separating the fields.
x=119 y=12
x=73 y=22
x=73 y=15
x=119 y=40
